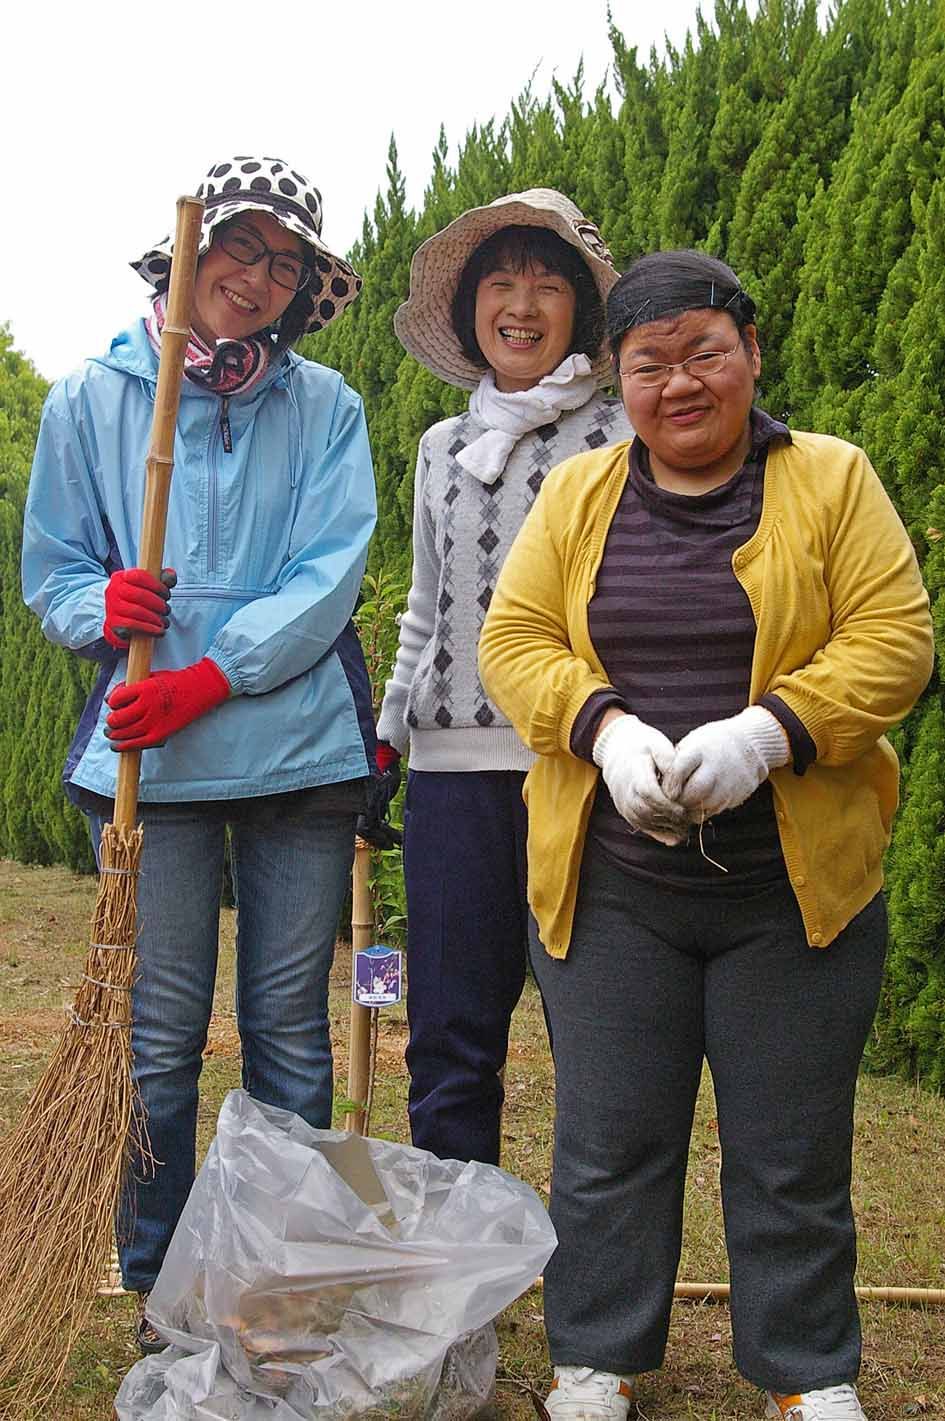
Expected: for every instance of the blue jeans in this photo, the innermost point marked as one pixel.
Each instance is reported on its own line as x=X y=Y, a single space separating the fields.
x=290 y=874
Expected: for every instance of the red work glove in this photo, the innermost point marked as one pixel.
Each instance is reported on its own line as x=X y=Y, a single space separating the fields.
x=147 y=713
x=385 y=755
x=136 y=602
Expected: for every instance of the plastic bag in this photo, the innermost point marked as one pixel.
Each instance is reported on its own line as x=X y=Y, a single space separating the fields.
x=316 y=1276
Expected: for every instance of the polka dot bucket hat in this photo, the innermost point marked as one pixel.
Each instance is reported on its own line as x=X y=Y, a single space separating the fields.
x=267 y=185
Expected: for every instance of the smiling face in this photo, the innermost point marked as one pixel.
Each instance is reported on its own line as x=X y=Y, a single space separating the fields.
x=524 y=323
x=231 y=300
x=696 y=430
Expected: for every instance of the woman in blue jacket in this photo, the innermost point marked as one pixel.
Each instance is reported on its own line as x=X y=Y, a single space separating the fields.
x=257 y=716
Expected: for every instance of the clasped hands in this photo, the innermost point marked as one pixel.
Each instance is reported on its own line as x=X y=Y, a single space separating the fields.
x=660 y=788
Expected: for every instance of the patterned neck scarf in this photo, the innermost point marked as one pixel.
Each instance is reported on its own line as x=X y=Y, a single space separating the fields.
x=231 y=368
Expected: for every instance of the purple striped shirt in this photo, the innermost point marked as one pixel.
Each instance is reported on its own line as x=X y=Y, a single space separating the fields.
x=675 y=633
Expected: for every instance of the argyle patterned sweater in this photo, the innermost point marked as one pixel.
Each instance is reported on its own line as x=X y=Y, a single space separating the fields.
x=434 y=703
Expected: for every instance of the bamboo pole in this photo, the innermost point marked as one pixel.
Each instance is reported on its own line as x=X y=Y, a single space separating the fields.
x=359 y=1045
x=63 y=1165
x=721 y=1292
x=160 y=466
x=914 y=1297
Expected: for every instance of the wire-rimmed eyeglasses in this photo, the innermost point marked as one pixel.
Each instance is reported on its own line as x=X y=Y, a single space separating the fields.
x=705 y=362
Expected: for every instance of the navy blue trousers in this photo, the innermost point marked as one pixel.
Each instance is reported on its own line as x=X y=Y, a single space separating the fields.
x=467 y=946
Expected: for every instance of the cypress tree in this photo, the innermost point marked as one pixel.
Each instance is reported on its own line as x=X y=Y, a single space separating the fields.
x=439 y=202
x=910 y=1026
x=641 y=141
x=599 y=161
x=363 y=347
x=802 y=139
x=862 y=223
x=903 y=415
x=577 y=128
x=42 y=688
x=536 y=155
x=483 y=169
x=605 y=194
x=758 y=63
x=688 y=193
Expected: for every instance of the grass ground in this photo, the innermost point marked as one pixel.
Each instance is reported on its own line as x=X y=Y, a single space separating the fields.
x=899 y=1193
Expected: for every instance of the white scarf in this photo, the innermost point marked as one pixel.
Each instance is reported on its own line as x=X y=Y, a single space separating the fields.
x=509 y=416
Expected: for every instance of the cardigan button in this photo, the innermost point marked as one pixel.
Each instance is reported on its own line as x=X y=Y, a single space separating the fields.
x=799 y=881
x=817 y=939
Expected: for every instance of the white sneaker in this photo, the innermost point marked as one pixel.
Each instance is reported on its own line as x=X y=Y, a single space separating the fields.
x=834 y=1403
x=581 y=1394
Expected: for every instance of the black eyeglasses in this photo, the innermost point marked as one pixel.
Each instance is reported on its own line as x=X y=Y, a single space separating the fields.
x=243 y=245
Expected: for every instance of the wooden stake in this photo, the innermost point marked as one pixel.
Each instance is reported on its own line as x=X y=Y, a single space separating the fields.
x=362 y=935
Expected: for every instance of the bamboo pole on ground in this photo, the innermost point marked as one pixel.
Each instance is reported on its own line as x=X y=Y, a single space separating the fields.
x=912 y=1297
x=359 y=1043
x=721 y=1292
x=63 y=1164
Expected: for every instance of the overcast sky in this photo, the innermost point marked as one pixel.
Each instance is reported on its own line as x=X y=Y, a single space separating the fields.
x=110 y=110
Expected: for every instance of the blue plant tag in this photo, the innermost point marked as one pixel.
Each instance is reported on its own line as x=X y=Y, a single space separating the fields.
x=377 y=976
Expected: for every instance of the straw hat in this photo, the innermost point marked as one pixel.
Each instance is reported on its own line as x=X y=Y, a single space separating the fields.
x=424 y=323
x=267 y=185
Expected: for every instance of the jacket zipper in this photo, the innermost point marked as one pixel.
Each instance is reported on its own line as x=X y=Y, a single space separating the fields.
x=212 y=485
x=225 y=425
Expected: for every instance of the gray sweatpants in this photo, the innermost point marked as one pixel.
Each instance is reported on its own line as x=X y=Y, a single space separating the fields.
x=655 y=980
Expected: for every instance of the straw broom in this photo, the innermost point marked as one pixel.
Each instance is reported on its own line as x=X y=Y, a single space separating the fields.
x=62 y=1166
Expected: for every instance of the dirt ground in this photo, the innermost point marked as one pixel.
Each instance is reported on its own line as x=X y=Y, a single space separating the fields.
x=899 y=1190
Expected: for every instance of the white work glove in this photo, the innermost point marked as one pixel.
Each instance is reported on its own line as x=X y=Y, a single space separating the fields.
x=632 y=757
x=718 y=765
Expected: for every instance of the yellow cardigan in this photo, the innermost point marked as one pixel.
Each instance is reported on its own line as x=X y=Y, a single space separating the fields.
x=844 y=637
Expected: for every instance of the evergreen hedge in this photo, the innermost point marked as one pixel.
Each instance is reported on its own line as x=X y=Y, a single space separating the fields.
x=42 y=687
x=812 y=159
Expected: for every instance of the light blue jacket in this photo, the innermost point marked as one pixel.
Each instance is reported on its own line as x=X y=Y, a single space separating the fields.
x=268 y=542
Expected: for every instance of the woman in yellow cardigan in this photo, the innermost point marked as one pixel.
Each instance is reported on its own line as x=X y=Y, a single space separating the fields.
x=705 y=634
